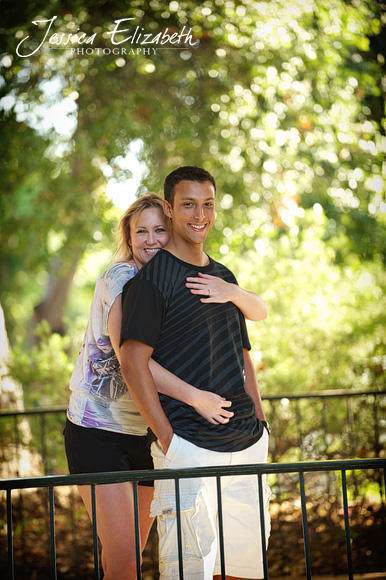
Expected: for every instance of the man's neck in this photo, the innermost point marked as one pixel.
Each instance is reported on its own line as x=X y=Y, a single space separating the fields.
x=191 y=253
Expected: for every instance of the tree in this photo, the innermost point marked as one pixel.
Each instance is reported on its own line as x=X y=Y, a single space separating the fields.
x=281 y=101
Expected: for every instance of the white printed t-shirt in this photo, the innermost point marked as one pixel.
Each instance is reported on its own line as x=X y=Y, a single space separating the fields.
x=100 y=397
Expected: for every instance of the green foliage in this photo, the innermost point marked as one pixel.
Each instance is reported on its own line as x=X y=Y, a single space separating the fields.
x=363 y=486
x=281 y=101
x=326 y=324
x=45 y=369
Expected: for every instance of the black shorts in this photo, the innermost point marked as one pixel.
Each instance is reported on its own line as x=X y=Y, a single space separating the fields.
x=92 y=450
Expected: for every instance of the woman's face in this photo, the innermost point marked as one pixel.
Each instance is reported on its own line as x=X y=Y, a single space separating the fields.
x=148 y=234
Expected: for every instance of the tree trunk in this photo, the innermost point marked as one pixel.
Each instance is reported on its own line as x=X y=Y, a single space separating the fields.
x=58 y=288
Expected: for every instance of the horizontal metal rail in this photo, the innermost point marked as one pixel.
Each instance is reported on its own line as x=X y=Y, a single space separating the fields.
x=325 y=394
x=137 y=476
x=34 y=411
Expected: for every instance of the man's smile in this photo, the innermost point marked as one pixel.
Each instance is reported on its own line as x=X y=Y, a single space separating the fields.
x=198 y=227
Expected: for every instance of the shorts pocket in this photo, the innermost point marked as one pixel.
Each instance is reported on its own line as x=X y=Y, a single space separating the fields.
x=162 y=461
x=193 y=558
x=164 y=507
x=198 y=535
x=173 y=447
x=164 y=501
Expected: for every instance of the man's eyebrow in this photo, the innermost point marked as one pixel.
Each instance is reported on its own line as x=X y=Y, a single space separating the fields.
x=193 y=199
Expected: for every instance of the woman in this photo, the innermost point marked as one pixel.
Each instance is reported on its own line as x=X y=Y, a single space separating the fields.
x=104 y=431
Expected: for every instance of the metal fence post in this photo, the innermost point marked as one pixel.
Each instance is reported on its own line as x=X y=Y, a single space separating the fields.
x=347 y=525
x=11 y=568
x=179 y=531
x=262 y=526
x=305 y=526
x=43 y=441
x=95 y=533
x=52 y=533
x=220 y=528
x=137 y=531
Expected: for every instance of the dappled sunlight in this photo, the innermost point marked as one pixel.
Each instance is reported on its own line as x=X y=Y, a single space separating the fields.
x=281 y=101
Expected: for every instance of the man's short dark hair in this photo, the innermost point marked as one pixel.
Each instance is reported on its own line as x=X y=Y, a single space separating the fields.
x=185 y=173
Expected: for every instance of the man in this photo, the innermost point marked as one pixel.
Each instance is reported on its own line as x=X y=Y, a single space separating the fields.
x=205 y=344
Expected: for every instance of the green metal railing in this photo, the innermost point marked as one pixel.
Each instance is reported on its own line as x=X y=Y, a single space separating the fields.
x=302 y=468
x=351 y=417
x=306 y=426
x=40 y=413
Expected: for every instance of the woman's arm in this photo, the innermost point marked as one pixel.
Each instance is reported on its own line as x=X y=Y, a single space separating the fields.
x=211 y=406
x=215 y=289
x=207 y=404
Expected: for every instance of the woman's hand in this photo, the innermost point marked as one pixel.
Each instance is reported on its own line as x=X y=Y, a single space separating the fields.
x=212 y=288
x=207 y=404
x=212 y=407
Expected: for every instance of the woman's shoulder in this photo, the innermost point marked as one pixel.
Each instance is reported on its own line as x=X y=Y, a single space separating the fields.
x=119 y=270
x=112 y=281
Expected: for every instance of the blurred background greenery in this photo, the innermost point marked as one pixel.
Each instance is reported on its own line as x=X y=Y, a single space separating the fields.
x=283 y=101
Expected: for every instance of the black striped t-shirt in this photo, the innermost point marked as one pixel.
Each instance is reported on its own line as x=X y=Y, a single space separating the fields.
x=200 y=343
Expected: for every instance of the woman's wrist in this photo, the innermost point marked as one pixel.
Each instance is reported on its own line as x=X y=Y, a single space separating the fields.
x=192 y=395
x=237 y=294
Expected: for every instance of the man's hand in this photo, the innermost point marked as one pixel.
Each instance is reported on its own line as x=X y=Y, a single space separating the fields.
x=165 y=442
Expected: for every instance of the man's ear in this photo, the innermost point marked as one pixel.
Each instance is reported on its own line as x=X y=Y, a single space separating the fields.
x=167 y=208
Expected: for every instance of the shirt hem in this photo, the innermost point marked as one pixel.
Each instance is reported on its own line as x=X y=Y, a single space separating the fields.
x=230 y=449
x=121 y=432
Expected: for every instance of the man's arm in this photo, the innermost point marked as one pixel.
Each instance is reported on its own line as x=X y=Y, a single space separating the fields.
x=251 y=385
x=207 y=404
x=250 y=304
x=135 y=356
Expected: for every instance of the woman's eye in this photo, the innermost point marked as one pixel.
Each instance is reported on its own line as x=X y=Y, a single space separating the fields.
x=161 y=230
x=140 y=231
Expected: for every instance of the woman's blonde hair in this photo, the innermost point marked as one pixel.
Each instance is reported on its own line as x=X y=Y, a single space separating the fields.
x=124 y=252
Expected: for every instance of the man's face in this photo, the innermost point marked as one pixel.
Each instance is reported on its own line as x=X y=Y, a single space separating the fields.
x=193 y=211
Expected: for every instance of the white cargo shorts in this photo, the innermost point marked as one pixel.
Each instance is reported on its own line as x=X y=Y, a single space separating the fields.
x=199 y=519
